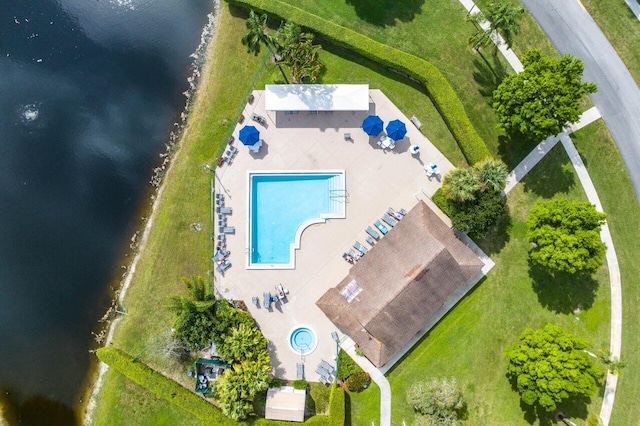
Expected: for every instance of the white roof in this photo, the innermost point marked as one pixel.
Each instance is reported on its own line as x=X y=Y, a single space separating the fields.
x=285 y=403
x=317 y=97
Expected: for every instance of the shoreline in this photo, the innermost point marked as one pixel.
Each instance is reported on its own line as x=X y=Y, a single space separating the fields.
x=201 y=62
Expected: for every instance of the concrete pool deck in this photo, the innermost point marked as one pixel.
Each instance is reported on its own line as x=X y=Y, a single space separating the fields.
x=375 y=181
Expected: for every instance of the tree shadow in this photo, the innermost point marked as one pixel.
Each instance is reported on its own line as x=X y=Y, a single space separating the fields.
x=563 y=293
x=488 y=73
x=497 y=236
x=309 y=406
x=385 y=12
x=558 y=176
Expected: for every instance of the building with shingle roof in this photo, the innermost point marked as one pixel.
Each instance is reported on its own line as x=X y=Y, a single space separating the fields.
x=391 y=293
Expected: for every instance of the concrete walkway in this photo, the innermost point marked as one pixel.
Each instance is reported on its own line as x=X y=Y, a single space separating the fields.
x=530 y=161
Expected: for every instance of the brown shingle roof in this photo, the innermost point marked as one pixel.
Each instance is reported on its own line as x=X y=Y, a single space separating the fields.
x=405 y=278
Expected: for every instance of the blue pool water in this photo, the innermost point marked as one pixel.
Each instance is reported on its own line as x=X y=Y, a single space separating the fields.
x=302 y=340
x=280 y=203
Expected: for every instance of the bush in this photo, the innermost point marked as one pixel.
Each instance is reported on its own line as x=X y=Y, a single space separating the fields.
x=347 y=366
x=358 y=382
x=300 y=384
x=437 y=86
x=477 y=216
x=276 y=383
x=162 y=386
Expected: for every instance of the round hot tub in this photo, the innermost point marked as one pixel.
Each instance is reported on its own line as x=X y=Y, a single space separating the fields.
x=302 y=340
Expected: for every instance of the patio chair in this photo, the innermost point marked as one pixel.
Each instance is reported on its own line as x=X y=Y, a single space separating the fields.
x=322 y=372
x=347 y=136
x=381 y=227
x=391 y=212
x=355 y=254
x=227 y=229
x=223 y=266
x=370 y=241
x=403 y=212
x=362 y=249
x=300 y=371
x=389 y=220
x=324 y=380
x=219 y=196
x=224 y=210
x=266 y=300
x=372 y=232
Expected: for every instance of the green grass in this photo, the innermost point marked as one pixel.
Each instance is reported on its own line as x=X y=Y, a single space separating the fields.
x=622 y=29
x=468 y=343
x=618 y=199
x=363 y=408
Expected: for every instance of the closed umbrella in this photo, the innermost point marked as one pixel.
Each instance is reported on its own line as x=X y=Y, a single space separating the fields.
x=372 y=125
x=249 y=135
x=396 y=130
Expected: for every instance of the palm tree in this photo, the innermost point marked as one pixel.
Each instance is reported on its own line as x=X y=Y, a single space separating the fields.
x=298 y=52
x=461 y=185
x=256 y=36
x=492 y=174
x=503 y=17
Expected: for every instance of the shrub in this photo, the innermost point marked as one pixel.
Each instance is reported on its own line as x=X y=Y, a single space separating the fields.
x=477 y=216
x=461 y=185
x=437 y=86
x=347 y=366
x=358 y=382
x=300 y=384
x=492 y=174
x=276 y=383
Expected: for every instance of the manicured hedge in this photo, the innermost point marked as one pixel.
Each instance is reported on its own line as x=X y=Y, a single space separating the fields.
x=439 y=89
x=163 y=386
x=336 y=406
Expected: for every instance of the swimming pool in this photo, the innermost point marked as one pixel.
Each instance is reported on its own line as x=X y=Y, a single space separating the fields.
x=282 y=205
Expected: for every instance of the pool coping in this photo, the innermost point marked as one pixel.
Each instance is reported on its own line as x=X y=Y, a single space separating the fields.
x=296 y=244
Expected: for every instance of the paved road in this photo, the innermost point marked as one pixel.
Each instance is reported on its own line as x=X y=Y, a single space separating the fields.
x=573 y=31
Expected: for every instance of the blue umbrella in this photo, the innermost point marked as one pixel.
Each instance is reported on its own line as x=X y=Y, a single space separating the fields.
x=249 y=135
x=396 y=130
x=372 y=125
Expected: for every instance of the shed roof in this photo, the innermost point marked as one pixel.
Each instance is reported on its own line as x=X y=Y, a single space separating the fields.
x=285 y=403
x=317 y=97
x=405 y=278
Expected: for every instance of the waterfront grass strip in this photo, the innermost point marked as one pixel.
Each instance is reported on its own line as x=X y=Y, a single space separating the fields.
x=438 y=88
x=162 y=386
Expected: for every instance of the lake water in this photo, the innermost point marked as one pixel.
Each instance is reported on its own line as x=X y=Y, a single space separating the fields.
x=89 y=91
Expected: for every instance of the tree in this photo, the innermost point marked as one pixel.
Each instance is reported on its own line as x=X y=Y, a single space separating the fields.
x=566 y=235
x=194 y=314
x=438 y=401
x=541 y=100
x=461 y=185
x=299 y=53
x=257 y=35
x=242 y=343
x=503 y=17
x=237 y=387
x=492 y=174
x=550 y=366
x=477 y=216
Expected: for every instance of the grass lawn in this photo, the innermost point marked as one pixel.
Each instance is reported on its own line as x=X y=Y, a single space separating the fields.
x=621 y=28
x=618 y=199
x=468 y=343
x=363 y=408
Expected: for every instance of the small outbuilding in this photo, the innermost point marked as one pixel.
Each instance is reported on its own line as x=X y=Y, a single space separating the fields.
x=285 y=403
x=406 y=281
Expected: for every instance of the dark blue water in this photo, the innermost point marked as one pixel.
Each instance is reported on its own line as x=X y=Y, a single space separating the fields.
x=89 y=91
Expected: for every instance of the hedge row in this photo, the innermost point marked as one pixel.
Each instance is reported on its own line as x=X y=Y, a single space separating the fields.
x=336 y=406
x=439 y=89
x=163 y=386
x=183 y=398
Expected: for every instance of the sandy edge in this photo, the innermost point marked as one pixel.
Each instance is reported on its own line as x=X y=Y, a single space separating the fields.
x=103 y=368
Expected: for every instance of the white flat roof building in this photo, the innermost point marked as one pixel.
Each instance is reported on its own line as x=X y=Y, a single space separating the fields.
x=317 y=97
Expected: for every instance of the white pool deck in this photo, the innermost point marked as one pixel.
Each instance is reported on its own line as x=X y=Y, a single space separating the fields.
x=375 y=181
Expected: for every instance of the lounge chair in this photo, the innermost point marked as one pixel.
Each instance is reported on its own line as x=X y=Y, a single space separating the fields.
x=227 y=229
x=224 y=210
x=372 y=232
x=381 y=227
x=389 y=220
x=326 y=366
x=391 y=212
x=403 y=212
x=219 y=196
x=347 y=136
x=266 y=300
x=362 y=249
x=370 y=241
x=355 y=254
x=349 y=258
x=223 y=266
x=324 y=380
x=300 y=371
